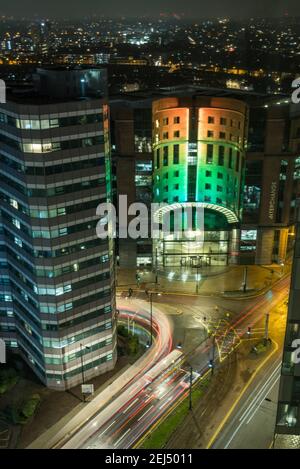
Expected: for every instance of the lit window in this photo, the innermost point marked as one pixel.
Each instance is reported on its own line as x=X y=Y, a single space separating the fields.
x=18 y=241
x=16 y=223
x=14 y=203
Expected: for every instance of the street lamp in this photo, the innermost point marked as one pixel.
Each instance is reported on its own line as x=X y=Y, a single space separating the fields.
x=151 y=314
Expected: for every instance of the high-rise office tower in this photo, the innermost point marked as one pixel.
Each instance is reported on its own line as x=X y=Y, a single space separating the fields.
x=287 y=431
x=57 y=298
x=199 y=160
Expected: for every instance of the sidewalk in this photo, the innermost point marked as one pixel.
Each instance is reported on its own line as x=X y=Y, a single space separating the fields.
x=217 y=282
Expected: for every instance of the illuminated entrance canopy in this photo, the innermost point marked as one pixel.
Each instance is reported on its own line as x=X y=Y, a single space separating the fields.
x=229 y=214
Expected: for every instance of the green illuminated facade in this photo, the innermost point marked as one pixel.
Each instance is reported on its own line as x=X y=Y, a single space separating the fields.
x=199 y=159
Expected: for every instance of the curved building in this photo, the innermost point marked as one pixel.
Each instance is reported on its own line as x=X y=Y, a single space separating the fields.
x=199 y=160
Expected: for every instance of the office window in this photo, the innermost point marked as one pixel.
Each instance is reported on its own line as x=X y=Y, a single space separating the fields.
x=18 y=241
x=210 y=133
x=219 y=201
x=166 y=176
x=176 y=174
x=165 y=121
x=177 y=120
x=16 y=223
x=176 y=134
x=222 y=135
x=207 y=186
x=14 y=203
x=176 y=198
x=207 y=198
x=223 y=121
x=209 y=153
x=175 y=154
x=176 y=187
x=165 y=135
x=211 y=120
x=220 y=175
x=221 y=155
x=208 y=174
x=219 y=189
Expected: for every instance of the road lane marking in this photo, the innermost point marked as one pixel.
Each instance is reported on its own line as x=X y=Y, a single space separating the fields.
x=107 y=428
x=245 y=415
x=258 y=394
x=123 y=436
x=258 y=407
x=129 y=407
x=255 y=389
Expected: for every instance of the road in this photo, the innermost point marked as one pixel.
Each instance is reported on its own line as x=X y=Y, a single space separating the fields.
x=253 y=422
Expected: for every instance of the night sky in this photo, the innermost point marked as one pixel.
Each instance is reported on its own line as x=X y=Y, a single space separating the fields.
x=133 y=8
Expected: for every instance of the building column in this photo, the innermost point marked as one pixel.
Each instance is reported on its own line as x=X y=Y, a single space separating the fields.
x=264 y=247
